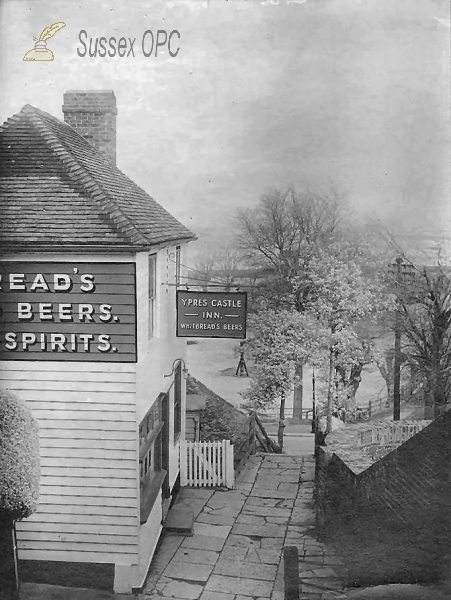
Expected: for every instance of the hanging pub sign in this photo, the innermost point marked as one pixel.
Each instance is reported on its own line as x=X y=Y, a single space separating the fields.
x=64 y=311
x=211 y=314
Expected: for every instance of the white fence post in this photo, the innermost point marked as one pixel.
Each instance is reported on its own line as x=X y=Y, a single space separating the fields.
x=183 y=462
x=229 y=471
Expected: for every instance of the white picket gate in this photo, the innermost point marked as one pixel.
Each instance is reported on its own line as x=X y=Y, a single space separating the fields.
x=207 y=464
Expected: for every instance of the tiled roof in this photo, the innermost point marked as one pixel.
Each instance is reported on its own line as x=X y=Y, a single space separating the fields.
x=56 y=190
x=192 y=386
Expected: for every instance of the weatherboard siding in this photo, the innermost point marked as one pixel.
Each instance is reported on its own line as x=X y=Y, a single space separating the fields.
x=88 y=507
x=162 y=350
x=156 y=357
x=89 y=413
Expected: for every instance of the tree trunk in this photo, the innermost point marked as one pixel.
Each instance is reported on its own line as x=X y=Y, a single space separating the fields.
x=355 y=379
x=298 y=392
x=350 y=382
x=386 y=370
x=8 y=581
x=428 y=401
x=390 y=393
x=281 y=420
x=439 y=392
x=330 y=392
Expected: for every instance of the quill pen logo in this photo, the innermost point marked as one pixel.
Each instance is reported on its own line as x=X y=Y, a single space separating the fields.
x=40 y=50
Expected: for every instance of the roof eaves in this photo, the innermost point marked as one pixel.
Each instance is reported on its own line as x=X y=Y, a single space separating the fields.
x=10 y=121
x=70 y=248
x=174 y=241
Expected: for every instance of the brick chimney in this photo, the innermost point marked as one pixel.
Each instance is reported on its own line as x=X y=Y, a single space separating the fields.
x=92 y=113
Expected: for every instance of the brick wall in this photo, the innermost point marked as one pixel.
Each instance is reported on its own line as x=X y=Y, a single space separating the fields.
x=411 y=485
x=92 y=114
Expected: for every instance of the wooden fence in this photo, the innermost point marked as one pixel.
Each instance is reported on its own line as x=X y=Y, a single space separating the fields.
x=306 y=413
x=207 y=464
x=215 y=463
x=245 y=441
x=390 y=433
x=409 y=394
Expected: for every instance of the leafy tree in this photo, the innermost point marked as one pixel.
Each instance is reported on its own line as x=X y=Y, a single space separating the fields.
x=281 y=236
x=277 y=342
x=19 y=478
x=342 y=302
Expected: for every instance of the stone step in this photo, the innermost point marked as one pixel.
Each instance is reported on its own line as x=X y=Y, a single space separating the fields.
x=180 y=521
x=166 y=505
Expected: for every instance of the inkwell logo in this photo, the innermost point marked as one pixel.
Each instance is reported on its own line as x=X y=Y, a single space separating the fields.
x=40 y=51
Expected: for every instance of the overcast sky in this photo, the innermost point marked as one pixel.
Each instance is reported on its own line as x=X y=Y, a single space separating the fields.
x=264 y=94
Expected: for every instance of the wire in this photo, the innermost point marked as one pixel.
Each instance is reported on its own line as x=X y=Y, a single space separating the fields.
x=172 y=258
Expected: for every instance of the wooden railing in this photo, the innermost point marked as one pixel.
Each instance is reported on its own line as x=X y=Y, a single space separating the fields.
x=267 y=443
x=306 y=413
x=408 y=394
x=245 y=441
x=390 y=433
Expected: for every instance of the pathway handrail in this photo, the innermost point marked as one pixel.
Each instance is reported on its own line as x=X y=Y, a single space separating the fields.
x=244 y=447
x=274 y=447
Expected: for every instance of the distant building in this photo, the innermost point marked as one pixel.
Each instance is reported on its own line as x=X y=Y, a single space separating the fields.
x=89 y=266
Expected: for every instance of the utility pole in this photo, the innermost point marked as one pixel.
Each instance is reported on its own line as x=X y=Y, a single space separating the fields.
x=397 y=358
x=314 y=421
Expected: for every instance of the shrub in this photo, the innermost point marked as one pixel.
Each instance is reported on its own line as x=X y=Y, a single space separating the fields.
x=19 y=459
x=216 y=422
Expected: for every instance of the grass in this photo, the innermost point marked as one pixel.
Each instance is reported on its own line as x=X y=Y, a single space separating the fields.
x=214 y=362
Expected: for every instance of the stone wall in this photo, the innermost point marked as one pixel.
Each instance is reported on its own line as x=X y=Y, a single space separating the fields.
x=411 y=484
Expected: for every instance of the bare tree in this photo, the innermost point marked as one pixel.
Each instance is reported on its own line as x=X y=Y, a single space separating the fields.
x=219 y=267
x=286 y=228
x=425 y=312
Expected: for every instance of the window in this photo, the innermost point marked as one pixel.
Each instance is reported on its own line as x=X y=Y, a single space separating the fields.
x=152 y=293
x=151 y=475
x=177 y=266
x=177 y=401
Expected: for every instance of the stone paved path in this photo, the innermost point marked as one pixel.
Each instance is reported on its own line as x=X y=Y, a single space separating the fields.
x=236 y=552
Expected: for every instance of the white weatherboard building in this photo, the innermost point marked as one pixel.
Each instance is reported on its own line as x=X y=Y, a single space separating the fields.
x=89 y=266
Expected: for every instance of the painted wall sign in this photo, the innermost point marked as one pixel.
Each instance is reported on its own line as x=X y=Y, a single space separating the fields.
x=68 y=311
x=211 y=314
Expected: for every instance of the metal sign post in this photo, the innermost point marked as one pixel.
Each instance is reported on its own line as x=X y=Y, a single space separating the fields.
x=241 y=368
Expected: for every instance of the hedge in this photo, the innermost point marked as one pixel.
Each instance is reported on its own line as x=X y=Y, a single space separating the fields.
x=19 y=459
